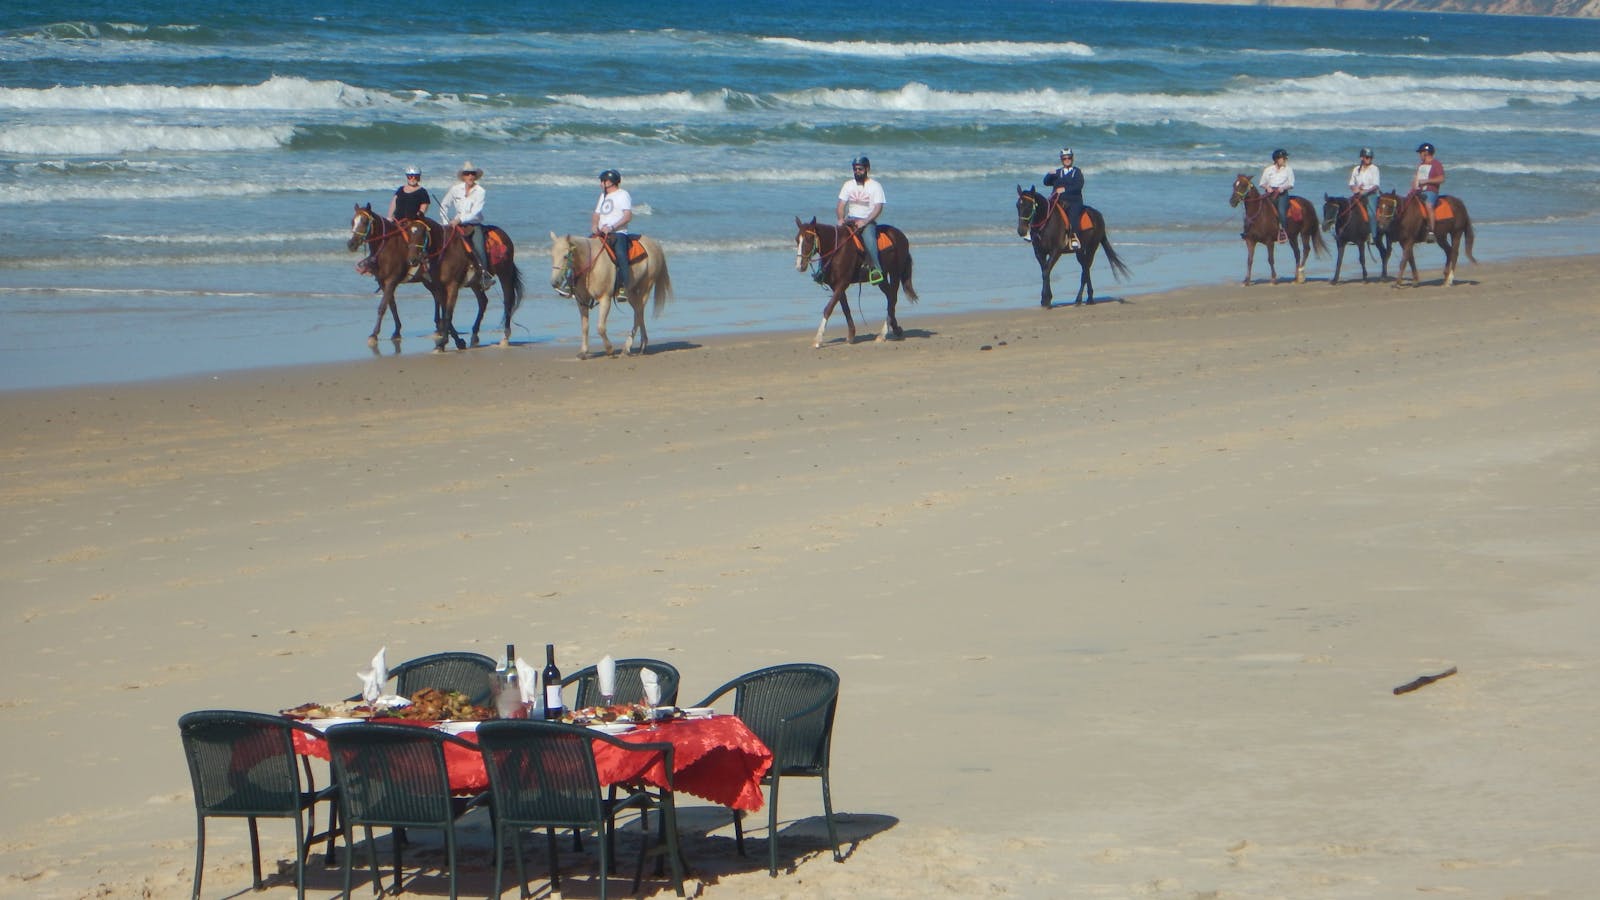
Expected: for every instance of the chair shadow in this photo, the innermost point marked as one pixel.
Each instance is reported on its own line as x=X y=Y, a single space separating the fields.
x=705 y=835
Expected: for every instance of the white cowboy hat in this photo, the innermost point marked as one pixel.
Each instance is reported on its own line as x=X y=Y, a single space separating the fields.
x=469 y=167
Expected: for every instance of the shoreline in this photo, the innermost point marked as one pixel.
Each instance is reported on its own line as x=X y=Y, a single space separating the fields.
x=1178 y=549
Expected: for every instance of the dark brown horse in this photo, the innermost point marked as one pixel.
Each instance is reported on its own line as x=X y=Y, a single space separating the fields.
x=1044 y=224
x=1347 y=219
x=1261 y=227
x=444 y=250
x=388 y=260
x=842 y=261
x=1406 y=221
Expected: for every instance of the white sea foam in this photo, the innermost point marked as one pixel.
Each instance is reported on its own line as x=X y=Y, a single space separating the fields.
x=973 y=50
x=277 y=92
x=673 y=101
x=107 y=139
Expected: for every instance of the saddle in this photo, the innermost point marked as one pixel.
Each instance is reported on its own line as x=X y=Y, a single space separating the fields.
x=1297 y=209
x=495 y=243
x=636 y=251
x=884 y=241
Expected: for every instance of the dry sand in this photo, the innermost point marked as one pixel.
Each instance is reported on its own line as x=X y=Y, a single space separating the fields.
x=1118 y=594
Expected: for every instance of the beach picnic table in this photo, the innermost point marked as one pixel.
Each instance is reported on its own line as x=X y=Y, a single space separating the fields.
x=715 y=758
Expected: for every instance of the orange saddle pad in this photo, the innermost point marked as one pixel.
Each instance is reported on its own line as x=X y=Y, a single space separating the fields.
x=1444 y=211
x=495 y=242
x=636 y=250
x=884 y=242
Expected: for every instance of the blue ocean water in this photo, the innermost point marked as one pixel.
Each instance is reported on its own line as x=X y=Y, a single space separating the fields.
x=181 y=176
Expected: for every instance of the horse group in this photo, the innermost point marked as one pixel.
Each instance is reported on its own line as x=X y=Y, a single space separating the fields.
x=1401 y=220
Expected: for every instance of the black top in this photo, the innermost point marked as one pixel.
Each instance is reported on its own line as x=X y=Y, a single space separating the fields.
x=408 y=205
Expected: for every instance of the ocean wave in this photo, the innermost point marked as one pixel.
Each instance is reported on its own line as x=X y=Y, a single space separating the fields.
x=672 y=101
x=106 y=139
x=970 y=50
x=277 y=92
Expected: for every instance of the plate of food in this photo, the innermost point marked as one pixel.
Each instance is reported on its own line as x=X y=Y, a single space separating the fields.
x=344 y=709
x=611 y=727
x=698 y=712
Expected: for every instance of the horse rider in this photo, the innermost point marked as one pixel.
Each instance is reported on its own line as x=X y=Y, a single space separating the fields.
x=1364 y=188
x=861 y=201
x=1068 y=184
x=410 y=200
x=1428 y=180
x=612 y=213
x=465 y=198
x=1277 y=180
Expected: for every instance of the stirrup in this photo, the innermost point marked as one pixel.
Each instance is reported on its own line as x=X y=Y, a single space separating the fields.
x=875 y=276
x=1283 y=236
x=1074 y=244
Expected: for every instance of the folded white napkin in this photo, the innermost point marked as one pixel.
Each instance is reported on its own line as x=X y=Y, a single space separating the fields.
x=652 y=686
x=527 y=681
x=373 y=679
x=606 y=673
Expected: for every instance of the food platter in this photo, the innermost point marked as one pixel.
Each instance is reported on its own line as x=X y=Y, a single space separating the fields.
x=426 y=705
x=611 y=727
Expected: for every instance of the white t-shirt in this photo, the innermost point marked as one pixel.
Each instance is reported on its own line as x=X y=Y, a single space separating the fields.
x=1363 y=180
x=1275 y=178
x=611 y=208
x=860 y=198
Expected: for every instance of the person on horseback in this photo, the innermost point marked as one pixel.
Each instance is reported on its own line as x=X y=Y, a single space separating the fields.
x=1277 y=180
x=1427 y=182
x=612 y=213
x=1068 y=184
x=410 y=200
x=861 y=201
x=1364 y=188
x=465 y=198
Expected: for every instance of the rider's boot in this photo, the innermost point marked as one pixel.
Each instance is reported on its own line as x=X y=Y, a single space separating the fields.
x=1073 y=243
x=620 y=295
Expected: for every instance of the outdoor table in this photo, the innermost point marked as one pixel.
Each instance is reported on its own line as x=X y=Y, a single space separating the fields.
x=715 y=758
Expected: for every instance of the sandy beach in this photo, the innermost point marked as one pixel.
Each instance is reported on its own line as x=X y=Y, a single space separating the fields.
x=1119 y=594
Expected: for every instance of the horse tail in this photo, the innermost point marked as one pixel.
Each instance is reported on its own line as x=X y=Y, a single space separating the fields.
x=1466 y=229
x=1318 y=245
x=662 y=290
x=905 y=279
x=1118 y=268
x=511 y=284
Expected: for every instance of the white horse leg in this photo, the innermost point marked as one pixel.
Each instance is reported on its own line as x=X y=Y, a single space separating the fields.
x=883 y=333
x=605 y=314
x=583 y=312
x=820 y=328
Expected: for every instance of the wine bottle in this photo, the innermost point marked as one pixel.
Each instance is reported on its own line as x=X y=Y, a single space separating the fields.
x=508 y=688
x=552 y=684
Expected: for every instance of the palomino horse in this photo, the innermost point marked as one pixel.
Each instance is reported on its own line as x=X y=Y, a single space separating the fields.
x=1348 y=221
x=1044 y=224
x=447 y=256
x=1407 y=223
x=580 y=268
x=1261 y=227
x=841 y=262
x=388 y=261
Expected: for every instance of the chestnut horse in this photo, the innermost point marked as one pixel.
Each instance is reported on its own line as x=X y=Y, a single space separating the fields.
x=581 y=269
x=1347 y=219
x=1044 y=224
x=388 y=261
x=842 y=261
x=447 y=255
x=1406 y=221
x=1261 y=227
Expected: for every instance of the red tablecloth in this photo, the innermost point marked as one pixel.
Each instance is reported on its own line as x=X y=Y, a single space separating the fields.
x=716 y=759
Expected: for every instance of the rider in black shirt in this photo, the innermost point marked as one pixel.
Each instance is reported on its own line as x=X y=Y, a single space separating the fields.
x=411 y=200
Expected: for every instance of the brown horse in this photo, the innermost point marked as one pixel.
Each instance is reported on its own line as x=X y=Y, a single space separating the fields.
x=1044 y=224
x=1261 y=227
x=388 y=260
x=580 y=268
x=1406 y=221
x=448 y=259
x=1347 y=219
x=842 y=261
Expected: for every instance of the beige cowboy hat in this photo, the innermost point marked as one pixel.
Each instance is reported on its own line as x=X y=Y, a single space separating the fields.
x=469 y=167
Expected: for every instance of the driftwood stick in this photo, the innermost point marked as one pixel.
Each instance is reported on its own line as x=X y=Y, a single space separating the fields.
x=1424 y=681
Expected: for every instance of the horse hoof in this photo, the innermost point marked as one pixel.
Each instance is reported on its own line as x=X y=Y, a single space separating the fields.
x=372 y=340
x=505 y=342
x=816 y=345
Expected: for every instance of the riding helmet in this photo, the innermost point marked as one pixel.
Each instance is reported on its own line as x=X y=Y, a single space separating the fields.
x=611 y=175
x=413 y=170
x=1366 y=151
x=861 y=161
x=1279 y=153
x=1424 y=147
x=1066 y=151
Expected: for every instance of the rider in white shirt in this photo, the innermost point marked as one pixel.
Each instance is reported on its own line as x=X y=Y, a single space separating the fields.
x=463 y=206
x=861 y=201
x=612 y=213
x=1364 y=187
x=1276 y=182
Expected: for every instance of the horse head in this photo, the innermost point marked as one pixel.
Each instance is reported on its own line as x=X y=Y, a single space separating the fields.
x=1242 y=189
x=1332 y=209
x=1030 y=207
x=807 y=243
x=361 y=226
x=419 y=239
x=1388 y=205
x=563 y=266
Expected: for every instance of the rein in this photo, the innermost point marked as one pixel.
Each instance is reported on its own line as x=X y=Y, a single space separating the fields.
x=388 y=230
x=571 y=274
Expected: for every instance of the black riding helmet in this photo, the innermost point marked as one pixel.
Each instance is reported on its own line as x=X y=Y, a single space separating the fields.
x=1279 y=153
x=611 y=175
x=861 y=161
x=1424 y=147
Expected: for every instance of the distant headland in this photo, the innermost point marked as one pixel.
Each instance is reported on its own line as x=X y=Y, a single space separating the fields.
x=1580 y=9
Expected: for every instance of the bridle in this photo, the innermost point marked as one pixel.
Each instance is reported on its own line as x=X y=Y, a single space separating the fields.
x=814 y=233
x=362 y=233
x=1029 y=218
x=564 y=276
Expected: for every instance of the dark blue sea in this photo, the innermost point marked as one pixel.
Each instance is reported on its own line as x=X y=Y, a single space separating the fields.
x=179 y=176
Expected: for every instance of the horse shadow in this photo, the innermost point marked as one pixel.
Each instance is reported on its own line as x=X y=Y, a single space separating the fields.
x=1098 y=301
x=906 y=334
